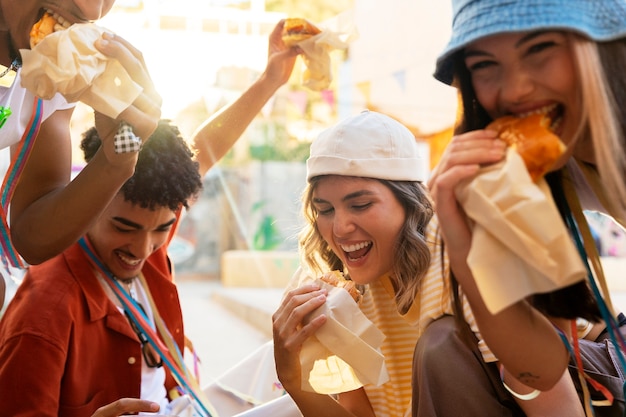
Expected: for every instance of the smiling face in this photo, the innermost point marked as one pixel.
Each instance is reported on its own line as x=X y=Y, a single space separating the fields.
x=360 y=219
x=126 y=235
x=521 y=73
x=18 y=17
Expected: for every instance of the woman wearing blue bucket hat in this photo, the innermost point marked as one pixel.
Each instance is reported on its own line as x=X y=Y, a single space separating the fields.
x=566 y=59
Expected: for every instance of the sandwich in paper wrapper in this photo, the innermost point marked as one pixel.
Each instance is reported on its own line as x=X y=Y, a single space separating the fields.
x=520 y=245
x=67 y=62
x=344 y=353
x=334 y=34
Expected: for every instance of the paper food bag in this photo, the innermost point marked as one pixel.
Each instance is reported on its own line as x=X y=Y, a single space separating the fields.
x=336 y=33
x=520 y=245
x=250 y=383
x=344 y=354
x=67 y=62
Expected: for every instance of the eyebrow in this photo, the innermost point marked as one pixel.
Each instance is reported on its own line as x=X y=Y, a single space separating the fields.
x=129 y=223
x=530 y=36
x=521 y=41
x=357 y=194
x=350 y=196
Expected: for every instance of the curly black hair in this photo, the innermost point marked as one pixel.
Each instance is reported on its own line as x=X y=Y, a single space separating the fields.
x=166 y=175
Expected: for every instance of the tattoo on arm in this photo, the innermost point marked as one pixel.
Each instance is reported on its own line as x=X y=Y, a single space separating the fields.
x=527 y=378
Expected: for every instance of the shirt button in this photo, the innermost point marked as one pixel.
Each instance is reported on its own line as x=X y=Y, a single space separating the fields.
x=177 y=331
x=132 y=360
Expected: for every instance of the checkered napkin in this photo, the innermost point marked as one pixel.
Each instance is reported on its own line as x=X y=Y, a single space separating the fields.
x=125 y=139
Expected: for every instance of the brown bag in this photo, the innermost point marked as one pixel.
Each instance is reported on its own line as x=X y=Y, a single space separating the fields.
x=491 y=370
x=599 y=358
x=601 y=363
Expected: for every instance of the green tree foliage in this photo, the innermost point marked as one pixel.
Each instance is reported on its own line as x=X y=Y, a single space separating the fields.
x=278 y=146
x=267 y=236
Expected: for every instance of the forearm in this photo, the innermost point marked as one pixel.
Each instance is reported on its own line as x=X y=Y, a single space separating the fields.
x=57 y=219
x=522 y=338
x=218 y=134
x=560 y=400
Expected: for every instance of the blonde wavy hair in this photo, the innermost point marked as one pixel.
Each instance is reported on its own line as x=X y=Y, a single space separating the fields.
x=411 y=252
x=601 y=72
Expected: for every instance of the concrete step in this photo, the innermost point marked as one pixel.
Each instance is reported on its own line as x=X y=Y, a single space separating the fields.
x=254 y=305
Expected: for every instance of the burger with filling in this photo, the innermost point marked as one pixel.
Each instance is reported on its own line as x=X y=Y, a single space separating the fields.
x=533 y=139
x=296 y=29
x=48 y=24
x=336 y=279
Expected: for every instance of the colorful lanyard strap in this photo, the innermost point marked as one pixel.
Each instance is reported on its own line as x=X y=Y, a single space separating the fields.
x=583 y=377
x=577 y=224
x=176 y=365
x=25 y=146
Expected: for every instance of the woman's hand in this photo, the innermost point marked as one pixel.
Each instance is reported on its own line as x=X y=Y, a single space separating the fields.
x=280 y=58
x=144 y=113
x=461 y=160
x=125 y=406
x=291 y=330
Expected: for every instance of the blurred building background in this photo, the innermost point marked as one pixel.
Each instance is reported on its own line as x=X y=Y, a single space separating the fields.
x=202 y=54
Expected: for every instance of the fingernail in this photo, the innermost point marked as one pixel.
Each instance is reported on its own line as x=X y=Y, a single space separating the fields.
x=497 y=152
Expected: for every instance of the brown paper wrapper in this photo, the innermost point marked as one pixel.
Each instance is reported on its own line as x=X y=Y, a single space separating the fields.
x=520 y=245
x=344 y=354
x=336 y=34
x=67 y=62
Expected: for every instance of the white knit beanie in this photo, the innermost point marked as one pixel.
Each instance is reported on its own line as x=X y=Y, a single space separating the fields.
x=369 y=145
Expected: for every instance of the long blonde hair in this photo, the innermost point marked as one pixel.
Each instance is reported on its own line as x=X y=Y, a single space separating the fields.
x=601 y=120
x=411 y=251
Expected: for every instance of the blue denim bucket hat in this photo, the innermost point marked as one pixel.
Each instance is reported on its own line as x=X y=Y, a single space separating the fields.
x=599 y=20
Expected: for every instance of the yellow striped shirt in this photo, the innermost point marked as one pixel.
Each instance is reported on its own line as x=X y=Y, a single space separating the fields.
x=433 y=300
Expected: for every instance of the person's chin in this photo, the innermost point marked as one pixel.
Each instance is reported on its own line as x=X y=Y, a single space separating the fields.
x=125 y=271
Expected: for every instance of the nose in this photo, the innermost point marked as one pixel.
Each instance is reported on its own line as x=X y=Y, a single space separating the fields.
x=143 y=246
x=517 y=85
x=342 y=224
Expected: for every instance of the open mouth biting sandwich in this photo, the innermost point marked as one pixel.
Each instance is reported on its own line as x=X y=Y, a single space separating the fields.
x=336 y=279
x=296 y=29
x=532 y=137
x=49 y=23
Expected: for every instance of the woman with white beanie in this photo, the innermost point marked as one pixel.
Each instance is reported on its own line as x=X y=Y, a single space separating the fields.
x=369 y=215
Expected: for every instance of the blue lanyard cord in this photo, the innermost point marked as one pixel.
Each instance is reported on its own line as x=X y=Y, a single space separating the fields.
x=24 y=151
x=128 y=301
x=612 y=324
x=609 y=319
x=8 y=253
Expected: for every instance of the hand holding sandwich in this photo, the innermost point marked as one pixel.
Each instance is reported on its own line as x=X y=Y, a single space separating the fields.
x=42 y=202
x=144 y=112
x=501 y=219
x=316 y=44
x=85 y=62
